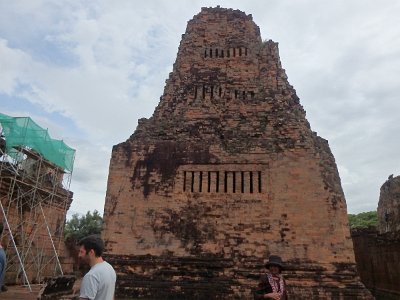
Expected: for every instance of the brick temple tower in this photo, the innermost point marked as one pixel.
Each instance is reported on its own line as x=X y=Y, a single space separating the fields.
x=226 y=172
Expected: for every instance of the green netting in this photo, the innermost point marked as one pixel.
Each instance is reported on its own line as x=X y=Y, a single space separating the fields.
x=23 y=131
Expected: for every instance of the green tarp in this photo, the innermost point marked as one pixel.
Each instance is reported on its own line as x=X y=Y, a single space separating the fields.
x=24 y=132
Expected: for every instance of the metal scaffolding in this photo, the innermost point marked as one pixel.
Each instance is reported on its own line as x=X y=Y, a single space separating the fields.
x=34 y=199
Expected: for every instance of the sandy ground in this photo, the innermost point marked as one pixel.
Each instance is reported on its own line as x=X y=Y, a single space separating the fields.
x=19 y=292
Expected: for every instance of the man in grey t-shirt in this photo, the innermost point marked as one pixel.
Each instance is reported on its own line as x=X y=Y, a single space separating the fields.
x=99 y=282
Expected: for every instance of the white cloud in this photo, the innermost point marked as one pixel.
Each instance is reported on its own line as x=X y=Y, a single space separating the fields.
x=102 y=65
x=12 y=64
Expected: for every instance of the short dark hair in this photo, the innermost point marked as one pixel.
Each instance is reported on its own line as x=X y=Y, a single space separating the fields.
x=1 y=227
x=93 y=242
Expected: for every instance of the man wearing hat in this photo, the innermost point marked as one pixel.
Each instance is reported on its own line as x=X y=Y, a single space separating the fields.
x=272 y=284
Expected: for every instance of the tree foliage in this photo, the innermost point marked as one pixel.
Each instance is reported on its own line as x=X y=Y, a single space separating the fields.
x=363 y=220
x=79 y=227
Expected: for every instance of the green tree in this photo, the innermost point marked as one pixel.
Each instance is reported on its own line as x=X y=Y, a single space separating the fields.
x=363 y=220
x=80 y=226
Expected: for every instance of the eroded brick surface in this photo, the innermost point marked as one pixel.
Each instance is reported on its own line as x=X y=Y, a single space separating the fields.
x=33 y=209
x=389 y=205
x=377 y=252
x=226 y=172
x=378 y=261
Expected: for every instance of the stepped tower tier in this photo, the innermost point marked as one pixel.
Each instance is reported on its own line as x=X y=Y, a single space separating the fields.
x=226 y=172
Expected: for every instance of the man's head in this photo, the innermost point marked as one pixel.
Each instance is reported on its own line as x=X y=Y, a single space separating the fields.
x=91 y=248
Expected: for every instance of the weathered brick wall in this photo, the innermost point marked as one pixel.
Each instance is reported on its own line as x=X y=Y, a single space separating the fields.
x=389 y=205
x=378 y=261
x=377 y=252
x=226 y=172
x=21 y=199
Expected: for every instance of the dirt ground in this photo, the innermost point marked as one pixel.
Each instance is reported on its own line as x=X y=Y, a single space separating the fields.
x=19 y=292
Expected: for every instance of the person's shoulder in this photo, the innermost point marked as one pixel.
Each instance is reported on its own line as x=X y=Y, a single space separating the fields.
x=112 y=270
x=104 y=266
x=263 y=277
x=2 y=255
x=106 y=263
x=90 y=273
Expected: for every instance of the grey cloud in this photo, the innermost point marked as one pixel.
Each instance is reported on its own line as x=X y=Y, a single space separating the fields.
x=342 y=57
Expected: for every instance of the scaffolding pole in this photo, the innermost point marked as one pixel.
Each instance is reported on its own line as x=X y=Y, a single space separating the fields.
x=23 y=196
x=51 y=239
x=15 y=246
x=33 y=171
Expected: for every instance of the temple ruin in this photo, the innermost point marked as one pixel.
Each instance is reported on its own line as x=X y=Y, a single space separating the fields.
x=389 y=205
x=35 y=175
x=377 y=250
x=226 y=172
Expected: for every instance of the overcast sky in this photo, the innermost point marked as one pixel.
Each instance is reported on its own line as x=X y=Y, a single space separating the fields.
x=88 y=70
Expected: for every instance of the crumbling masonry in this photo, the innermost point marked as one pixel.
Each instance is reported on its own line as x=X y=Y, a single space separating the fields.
x=35 y=175
x=377 y=251
x=226 y=172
